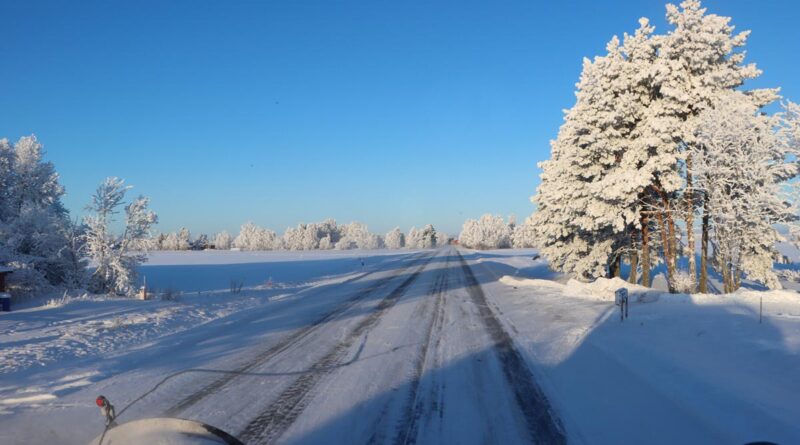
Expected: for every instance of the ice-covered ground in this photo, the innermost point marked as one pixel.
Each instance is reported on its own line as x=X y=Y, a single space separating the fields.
x=402 y=347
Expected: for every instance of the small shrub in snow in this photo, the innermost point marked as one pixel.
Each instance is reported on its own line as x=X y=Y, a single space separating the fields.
x=62 y=301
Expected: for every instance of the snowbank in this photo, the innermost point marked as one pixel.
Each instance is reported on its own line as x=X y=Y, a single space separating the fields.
x=600 y=290
x=603 y=289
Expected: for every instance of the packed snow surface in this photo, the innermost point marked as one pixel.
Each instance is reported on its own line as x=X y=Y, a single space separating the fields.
x=439 y=346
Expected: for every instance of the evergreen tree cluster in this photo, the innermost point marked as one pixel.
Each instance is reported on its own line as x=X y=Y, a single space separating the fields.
x=665 y=141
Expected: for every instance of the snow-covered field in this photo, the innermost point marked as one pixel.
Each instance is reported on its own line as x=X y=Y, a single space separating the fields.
x=408 y=347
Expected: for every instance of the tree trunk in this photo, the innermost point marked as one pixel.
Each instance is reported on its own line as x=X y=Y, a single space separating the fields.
x=725 y=278
x=690 y=221
x=614 y=267
x=673 y=242
x=728 y=275
x=634 y=257
x=704 y=251
x=666 y=244
x=645 y=250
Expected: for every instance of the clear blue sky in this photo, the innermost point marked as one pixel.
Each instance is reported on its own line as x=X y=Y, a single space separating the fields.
x=390 y=113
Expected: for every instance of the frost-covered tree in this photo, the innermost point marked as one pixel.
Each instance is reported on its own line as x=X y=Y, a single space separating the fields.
x=584 y=206
x=487 y=232
x=171 y=242
x=742 y=166
x=414 y=239
x=329 y=230
x=36 y=236
x=311 y=236
x=700 y=60
x=395 y=239
x=223 y=241
x=252 y=237
x=157 y=242
x=356 y=236
x=201 y=242
x=790 y=134
x=623 y=167
x=326 y=243
x=184 y=239
x=421 y=239
x=524 y=235
x=116 y=256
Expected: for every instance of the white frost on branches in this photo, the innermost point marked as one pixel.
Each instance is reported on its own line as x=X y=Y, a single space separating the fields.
x=629 y=156
x=743 y=167
x=395 y=239
x=252 y=237
x=36 y=237
x=223 y=241
x=487 y=232
x=116 y=256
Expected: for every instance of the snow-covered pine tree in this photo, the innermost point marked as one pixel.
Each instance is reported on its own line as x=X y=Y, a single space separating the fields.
x=580 y=225
x=622 y=166
x=35 y=230
x=116 y=256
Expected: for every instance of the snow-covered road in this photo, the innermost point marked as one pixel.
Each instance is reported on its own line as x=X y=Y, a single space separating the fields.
x=406 y=353
x=410 y=357
x=427 y=347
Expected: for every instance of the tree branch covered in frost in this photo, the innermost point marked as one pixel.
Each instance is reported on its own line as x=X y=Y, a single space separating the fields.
x=116 y=256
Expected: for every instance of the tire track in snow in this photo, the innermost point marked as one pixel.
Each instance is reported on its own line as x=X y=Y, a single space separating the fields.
x=281 y=413
x=286 y=343
x=544 y=426
x=408 y=427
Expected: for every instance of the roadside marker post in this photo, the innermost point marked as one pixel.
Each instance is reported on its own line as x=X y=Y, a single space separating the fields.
x=621 y=300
